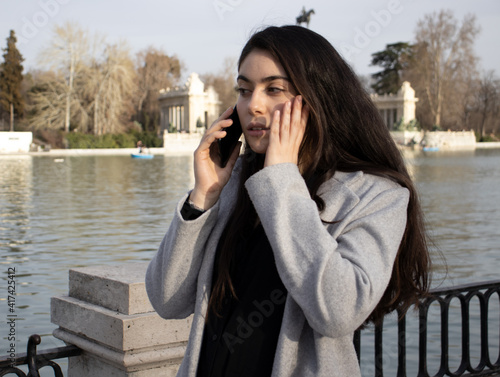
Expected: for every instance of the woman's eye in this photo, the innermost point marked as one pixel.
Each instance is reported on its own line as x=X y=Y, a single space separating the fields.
x=275 y=90
x=243 y=91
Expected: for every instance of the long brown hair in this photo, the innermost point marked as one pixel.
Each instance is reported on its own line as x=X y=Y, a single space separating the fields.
x=344 y=133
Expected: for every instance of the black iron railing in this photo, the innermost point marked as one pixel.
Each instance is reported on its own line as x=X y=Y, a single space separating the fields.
x=458 y=297
x=35 y=362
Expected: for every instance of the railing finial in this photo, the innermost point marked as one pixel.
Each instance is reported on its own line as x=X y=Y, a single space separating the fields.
x=35 y=364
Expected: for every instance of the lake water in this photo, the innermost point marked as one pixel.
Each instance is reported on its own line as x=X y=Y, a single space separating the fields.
x=58 y=213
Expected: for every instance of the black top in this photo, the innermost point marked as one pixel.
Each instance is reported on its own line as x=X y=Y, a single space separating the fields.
x=242 y=340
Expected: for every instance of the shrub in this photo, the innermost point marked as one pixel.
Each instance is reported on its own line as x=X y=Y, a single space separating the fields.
x=106 y=141
x=486 y=138
x=125 y=140
x=76 y=140
x=148 y=139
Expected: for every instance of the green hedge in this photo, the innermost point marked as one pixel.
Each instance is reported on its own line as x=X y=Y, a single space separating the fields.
x=148 y=139
x=486 y=138
x=77 y=140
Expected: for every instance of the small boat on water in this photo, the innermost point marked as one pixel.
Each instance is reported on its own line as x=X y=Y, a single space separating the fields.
x=145 y=156
x=430 y=149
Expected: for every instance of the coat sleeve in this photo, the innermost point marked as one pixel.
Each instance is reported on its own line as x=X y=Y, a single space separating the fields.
x=337 y=272
x=172 y=274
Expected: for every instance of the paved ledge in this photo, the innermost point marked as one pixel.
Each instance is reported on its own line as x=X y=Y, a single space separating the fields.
x=107 y=152
x=488 y=145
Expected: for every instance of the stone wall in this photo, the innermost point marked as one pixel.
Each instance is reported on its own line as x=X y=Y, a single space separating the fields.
x=181 y=143
x=15 y=142
x=407 y=137
x=448 y=140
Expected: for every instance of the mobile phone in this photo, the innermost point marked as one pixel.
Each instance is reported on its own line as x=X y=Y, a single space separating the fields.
x=228 y=143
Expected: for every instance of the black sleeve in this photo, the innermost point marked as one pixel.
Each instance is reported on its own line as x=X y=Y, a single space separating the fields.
x=188 y=212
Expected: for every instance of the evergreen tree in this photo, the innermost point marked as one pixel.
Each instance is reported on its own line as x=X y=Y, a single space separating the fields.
x=394 y=60
x=11 y=77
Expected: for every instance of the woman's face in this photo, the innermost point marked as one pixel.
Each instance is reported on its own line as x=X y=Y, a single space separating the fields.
x=264 y=88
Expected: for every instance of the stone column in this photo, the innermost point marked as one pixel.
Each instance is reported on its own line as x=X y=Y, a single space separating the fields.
x=108 y=315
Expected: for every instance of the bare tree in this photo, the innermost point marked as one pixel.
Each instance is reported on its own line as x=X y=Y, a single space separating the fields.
x=224 y=83
x=49 y=103
x=91 y=86
x=67 y=54
x=155 y=70
x=466 y=101
x=487 y=102
x=444 y=59
x=112 y=83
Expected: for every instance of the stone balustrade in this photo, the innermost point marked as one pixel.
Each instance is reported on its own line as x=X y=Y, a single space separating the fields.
x=108 y=315
x=448 y=140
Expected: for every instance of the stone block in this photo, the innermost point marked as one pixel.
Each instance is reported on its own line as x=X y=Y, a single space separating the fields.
x=107 y=314
x=119 y=288
x=116 y=330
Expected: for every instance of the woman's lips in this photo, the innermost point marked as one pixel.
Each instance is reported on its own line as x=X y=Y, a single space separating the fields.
x=256 y=129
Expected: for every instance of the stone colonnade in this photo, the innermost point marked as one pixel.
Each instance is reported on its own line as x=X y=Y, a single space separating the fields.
x=189 y=108
x=398 y=107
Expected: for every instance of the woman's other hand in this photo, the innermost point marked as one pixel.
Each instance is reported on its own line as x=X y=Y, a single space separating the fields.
x=287 y=131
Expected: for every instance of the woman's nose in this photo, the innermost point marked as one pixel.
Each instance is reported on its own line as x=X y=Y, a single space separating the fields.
x=256 y=104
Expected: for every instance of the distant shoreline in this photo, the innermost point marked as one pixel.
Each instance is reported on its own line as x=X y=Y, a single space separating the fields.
x=186 y=151
x=104 y=152
x=488 y=145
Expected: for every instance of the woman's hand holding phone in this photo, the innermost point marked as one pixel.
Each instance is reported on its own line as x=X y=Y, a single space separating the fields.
x=210 y=177
x=287 y=131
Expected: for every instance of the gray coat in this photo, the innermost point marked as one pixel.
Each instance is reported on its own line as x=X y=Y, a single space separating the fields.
x=335 y=274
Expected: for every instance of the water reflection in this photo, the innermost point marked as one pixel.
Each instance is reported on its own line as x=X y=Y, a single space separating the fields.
x=56 y=214
x=15 y=185
x=105 y=209
x=461 y=201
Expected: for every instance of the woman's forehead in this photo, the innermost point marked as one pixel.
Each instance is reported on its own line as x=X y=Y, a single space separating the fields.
x=260 y=64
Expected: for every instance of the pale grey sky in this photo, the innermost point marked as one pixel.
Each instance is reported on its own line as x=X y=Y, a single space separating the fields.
x=202 y=33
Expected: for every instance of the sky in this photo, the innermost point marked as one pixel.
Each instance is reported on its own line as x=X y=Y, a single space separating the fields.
x=203 y=33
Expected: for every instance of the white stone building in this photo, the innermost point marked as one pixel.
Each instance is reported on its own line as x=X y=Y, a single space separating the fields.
x=15 y=142
x=189 y=108
x=397 y=107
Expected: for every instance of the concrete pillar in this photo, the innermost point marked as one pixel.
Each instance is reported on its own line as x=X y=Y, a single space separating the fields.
x=108 y=315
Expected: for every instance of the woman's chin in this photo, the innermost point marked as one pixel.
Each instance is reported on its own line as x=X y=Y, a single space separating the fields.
x=259 y=148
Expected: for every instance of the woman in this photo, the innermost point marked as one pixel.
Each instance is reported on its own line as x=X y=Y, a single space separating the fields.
x=314 y=231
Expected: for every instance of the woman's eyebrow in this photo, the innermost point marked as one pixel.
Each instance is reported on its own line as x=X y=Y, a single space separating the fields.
x=265 y=79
